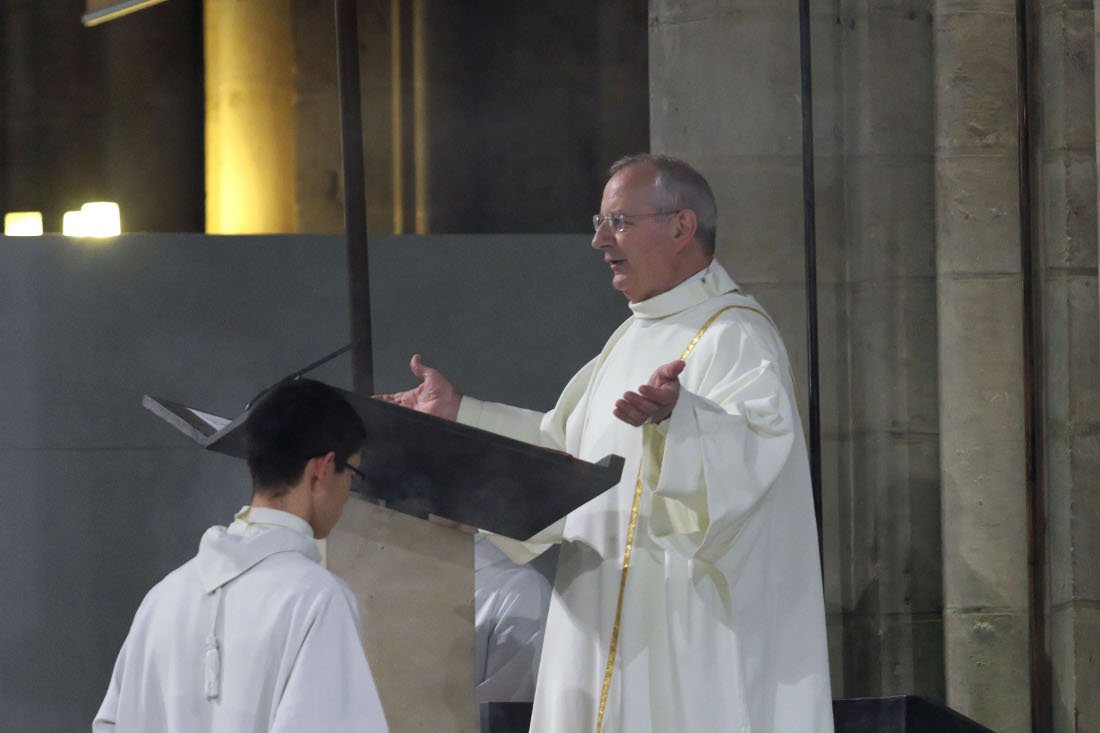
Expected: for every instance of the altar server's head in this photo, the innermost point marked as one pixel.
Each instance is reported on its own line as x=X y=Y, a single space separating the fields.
x=656 y=225
x=304 y=446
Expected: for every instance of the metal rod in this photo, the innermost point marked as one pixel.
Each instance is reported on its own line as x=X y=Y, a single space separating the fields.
x=810 y=240
x=1030 y=263
x=300 y=373
x=115 y=10
x=406 y=192
x=355 y=197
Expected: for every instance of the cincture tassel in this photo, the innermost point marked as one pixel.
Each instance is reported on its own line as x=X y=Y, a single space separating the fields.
x=212 y=660
x=212 y=666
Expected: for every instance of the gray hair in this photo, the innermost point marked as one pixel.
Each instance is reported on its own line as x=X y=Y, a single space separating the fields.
x=679 y=186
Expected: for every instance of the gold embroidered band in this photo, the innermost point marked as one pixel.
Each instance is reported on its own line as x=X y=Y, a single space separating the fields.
x=613 y=647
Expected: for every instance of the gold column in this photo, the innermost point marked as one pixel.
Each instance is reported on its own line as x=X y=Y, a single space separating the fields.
x=250 y=152
x=409 y=115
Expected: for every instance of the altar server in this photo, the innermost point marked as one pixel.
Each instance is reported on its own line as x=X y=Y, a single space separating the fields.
x=253 y=634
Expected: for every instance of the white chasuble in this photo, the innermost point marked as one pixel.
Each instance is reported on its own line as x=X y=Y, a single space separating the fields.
x=721 y=625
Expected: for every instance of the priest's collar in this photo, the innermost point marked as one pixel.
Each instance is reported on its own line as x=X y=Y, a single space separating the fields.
x=710 y=282
x=268 y=517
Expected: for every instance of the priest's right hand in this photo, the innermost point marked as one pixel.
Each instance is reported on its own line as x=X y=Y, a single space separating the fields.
x=435 y=395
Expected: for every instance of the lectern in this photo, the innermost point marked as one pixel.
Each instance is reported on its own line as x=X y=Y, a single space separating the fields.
x=414 y=578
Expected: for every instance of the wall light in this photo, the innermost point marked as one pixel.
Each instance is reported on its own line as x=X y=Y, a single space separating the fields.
x=23 y=224
x=101 y=219
x=72 y=224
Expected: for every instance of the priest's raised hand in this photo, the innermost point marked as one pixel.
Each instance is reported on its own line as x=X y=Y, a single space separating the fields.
x=653 y=402
x=434 y=395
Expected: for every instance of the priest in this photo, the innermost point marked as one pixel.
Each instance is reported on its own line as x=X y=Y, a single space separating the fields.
x=688 y=597
x=253 y=634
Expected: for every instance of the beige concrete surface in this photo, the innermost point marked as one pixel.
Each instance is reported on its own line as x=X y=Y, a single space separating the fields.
x=415 y=585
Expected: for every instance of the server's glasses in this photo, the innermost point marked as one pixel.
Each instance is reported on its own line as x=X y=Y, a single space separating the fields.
x=358 y=474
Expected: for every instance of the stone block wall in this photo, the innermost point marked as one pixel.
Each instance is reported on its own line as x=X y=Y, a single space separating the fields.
x=955 y=566
x=1064 y=155
x=725 y=86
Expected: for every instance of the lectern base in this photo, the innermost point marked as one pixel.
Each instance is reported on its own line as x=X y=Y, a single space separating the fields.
x=508 y=717
x=415 y=584
x=900 y=714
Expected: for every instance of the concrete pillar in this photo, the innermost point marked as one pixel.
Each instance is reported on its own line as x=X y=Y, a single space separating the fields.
x=833 y=294
x=892 y=591
x=877 y=308
x=724 y=95
x=1066 y=153
x=250 y=153
x=982 y=390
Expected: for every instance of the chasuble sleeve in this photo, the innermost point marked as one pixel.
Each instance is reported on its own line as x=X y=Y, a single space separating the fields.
x=547 y=430
x=512 y=422
x=711 y=464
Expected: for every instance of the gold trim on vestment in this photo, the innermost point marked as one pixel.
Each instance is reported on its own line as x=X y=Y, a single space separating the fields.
x=613 y=646
x=762 y=314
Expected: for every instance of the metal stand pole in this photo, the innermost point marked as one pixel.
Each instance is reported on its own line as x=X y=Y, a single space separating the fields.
x=811 y=255
x=355 y=197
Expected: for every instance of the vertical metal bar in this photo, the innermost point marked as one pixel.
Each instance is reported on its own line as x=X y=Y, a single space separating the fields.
x=1039 y=661
x=406 y=28
x=420 y=117
x=355 y=196
x=809 y=235
x=397 y=124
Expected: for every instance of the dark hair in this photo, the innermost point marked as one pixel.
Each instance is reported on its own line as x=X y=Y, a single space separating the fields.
x=298 y=421
x=679 y=186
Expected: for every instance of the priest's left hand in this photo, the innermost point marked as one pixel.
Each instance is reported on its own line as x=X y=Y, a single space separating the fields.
x=653 y=402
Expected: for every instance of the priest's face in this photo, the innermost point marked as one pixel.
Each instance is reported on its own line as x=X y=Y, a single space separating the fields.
x=641 y=256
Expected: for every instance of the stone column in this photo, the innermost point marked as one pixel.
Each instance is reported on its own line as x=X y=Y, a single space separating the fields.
x=250 y=153
x=830 y=160
x=1066 y=152
x=981 y=352
x=890 y=561
x=724 y=95
x=877 y=306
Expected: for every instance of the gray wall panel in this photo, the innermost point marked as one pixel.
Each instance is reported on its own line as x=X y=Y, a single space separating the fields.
x=98 y=499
